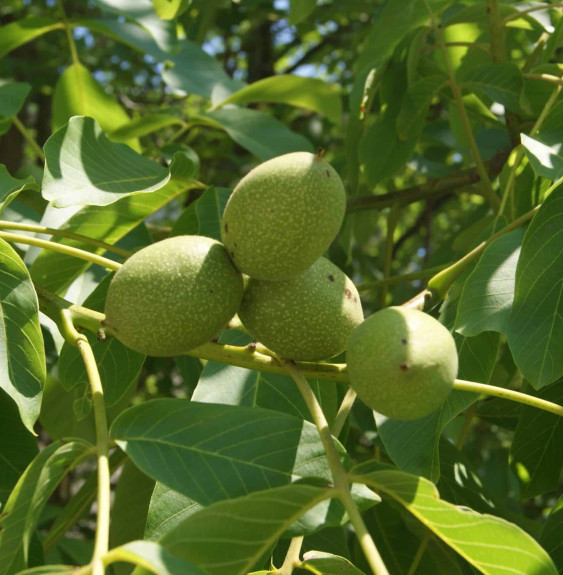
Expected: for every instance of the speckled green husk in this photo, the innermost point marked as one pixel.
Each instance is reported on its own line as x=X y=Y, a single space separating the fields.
x=402 y=363
x=308 y=318
x=283 y=215
x=173 y=296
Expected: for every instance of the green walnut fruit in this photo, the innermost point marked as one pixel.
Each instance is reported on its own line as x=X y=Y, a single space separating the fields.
x=402 y=363
x=283 y=215
x=307 y=318
x=173 y=295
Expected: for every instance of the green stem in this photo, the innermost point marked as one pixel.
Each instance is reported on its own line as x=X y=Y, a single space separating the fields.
x=419 y=275
x=339 y=476
x=52 y=306
x=516 y=396
x=392 y=221
x=488 y=191
x=61 y=248
x=343 y=412
x=520 y=13
x=291 y=557
x=28 y=138
x=68 y=30
x=68 y=331
x=545 y=78
x=441 y=282
x=520 y=153
x=5 y=225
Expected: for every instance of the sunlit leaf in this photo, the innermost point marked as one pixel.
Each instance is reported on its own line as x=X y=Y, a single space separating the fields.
x=309 y=93
x=18 y=33
x=10 y=187
x=170 y=9
x=12 y=97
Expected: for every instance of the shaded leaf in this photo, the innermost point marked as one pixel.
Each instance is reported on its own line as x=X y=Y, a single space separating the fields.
x=487 y=295
x=167 y=509
x=229 y=537
x=203 y=217
x=17 y=447
x=77 y=93
x=535 y=327
x=82 y=167
x=299 y=10
x=12 y=97
x=152 y=558
x=536 y=452
x=551 y=535
x=18 y=33
x=22 y=356
x=48 y=570
x=502 y=82
x=10 y=187
x=491 y=544
x=259 y=133
x=546 y=160
x=328 y=564
x=55 y=271
x=416 y=103
x=308 y=93
x=118 y=365
x=211 y=452
x=22 y=510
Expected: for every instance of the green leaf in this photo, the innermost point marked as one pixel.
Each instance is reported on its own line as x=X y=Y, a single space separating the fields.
x=327 y=564
x=17 y=447
x=535 y=327
x=55 y=271
x=129 y=510
x=151 y=557
x=170 y=9
x=12 y=97
x=490 y=544
x=299 y=10
x=211 y=452
x=82 y=167
x=119 y=366
x=487 y=295
x=10 y=187
x=18 y=33
x=167 y=509
x=203 y=217
x=551 y=534
x=416 y=103
x=547 y=160
x=22 y=510
x=259 y=133
x=147 y=124
x=308 y=93
x=459 y=483
x=77 y=93
x=536 y=452
x=229 y=537
x=502 y=82
x=143 y=12
x=382 y=152
x=22 y=363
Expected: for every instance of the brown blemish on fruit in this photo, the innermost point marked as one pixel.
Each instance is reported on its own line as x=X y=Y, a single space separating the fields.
x=355 y=299
x=232 y=254
x=226 y=228
x=327 y=174
x=404 y=341
x=251 y=347
x=403 y=367
x=347 y=293
x=331 y=277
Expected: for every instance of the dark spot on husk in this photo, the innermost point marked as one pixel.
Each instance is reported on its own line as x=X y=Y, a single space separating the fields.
x=331 y=277
x=403 y=367
x=226 y=228
x=347 y=293
x=404 y=341
x=327 y=174
x=210 y=290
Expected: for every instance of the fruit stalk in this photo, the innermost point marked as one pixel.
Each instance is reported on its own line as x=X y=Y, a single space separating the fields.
x=339 y=475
